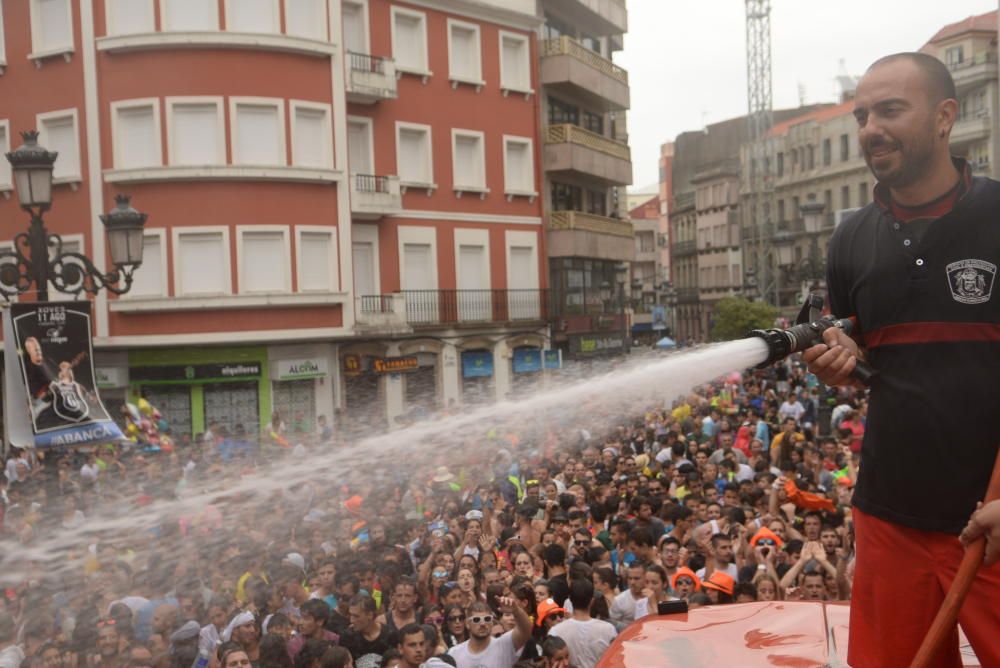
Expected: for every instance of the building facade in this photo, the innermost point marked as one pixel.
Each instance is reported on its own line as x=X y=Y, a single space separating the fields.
x=717 y=234
x=583 y=97
x=343 y=196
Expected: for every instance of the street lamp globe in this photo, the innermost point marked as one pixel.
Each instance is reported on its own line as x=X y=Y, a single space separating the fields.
x=32 y=167
x=124 y=225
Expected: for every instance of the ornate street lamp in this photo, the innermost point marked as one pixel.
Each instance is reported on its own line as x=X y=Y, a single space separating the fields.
x=38 y=258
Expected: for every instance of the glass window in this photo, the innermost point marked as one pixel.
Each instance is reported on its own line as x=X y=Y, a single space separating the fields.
x=593 y=122
x=562 y=112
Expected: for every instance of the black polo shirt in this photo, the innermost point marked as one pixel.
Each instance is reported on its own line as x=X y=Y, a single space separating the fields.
x=928 y=310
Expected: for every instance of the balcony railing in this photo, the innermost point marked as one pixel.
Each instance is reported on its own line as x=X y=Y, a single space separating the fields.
x=687 y=295
x=370 y=78
x=374 y=196
x=363 y=62
x=578 y=220
x=444 y=307
x=376 y=303
x=574 y=134
x=684 y=248
x=370 y=183
x=567 y=46
x=978 y=59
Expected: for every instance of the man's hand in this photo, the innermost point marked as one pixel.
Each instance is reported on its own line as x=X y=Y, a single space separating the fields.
x=833 y=360
x=985 y=522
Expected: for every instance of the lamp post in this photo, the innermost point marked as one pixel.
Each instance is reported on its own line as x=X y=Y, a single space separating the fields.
x=37 y=257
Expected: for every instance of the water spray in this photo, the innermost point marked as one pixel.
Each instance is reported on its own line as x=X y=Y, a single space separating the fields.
x=807 y=332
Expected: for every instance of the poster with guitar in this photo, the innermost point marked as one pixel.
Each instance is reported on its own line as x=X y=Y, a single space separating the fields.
x=56 y=362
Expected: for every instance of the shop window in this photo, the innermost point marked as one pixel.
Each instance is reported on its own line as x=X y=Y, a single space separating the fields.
x=150 y=278
x=515 y=63
x=195 y=131
x=264 y=260
x=519 y=175
x=201 y=262
x=295 y=400
x=316 y=260
x=258 y=131
x=469 y=159
x=136 y=133
x=464 y=52
x=189 y=15
x=59 y=131
x=409 y=40
x=414 y=160
x=51 y=26
x=126 y=17
x=6 y=176
x=312 y=135
x=174 y=402
x=252 y=16
x=306 y=18
x=232 y=405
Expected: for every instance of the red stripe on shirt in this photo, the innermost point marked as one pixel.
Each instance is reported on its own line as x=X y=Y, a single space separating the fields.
x=932 y=332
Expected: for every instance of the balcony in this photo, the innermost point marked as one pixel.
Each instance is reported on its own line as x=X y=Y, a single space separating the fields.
x=597 y=17
x=578 y=234
x=687 y=295
x=981 y=68
x=424 y=308
x=570 y=148
x=381 y=314
x=370 y=78
x=684 y=248
x=567 y=64
x=971 y=127
x=375 y=196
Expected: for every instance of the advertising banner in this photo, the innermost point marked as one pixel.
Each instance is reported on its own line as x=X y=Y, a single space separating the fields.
x=659 y=318
x=477 y=364
x=552 y=359
x=527 y=360
x=48 y=347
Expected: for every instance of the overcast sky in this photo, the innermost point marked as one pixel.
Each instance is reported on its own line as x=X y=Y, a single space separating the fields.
x=687 y=58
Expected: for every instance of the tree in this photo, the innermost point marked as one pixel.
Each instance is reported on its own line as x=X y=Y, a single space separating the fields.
x=733 y=317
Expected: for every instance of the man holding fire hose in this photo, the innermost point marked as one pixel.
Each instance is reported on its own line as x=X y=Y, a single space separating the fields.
x=916 y=269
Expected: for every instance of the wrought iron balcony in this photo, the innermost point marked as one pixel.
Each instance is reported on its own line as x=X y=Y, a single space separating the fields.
x=424 y=308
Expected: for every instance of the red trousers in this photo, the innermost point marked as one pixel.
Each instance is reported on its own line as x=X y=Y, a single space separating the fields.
x=900 y=580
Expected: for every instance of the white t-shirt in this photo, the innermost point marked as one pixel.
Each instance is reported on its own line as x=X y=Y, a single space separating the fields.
x=500 y=653
x=587 y=641
x=791 y=409
x=729 y=570
x=89 y=472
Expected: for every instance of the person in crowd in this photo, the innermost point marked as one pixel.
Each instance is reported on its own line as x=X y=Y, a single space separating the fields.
x=482 y=649
x=587 y=638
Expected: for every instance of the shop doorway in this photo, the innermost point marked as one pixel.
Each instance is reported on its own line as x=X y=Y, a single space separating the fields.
x=421 y=391
x=230 y=404
x=174 y=404
x=295 y=400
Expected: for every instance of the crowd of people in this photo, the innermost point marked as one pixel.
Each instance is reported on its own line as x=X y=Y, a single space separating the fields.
x=527 y=543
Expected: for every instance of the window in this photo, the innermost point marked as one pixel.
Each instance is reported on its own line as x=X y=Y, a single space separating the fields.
x=414 y=160
x=150 y=278
x=469 y=160
x=597 y=202
x=135 y=127
x=364 y=258
x=201 y=262
x=954 y=56
x=355 y=26
x=845 y=148
x=845 y=197
x=51 y=26
x=590 y=42
x=3 y=50
x=811 y=157
x=361 y=154
x=126 y=17
x=519 y=173
x=796 y=214
x=252 y=16
x=71 y=243
x=409 y=40
x=827 y=152
x=189 y=15
x=828 y=200
x=593 y=122
x=862 y=193
x=6 y=176
x=306 y=18
x=316 y=259
x=312 y=135
x=566 y=197
x=59 y=131
x=195 y=131
x=258 y=126
x=562 y=112
x=264 y=259
x=515 y=65
x=781 y=164
x=464 y=52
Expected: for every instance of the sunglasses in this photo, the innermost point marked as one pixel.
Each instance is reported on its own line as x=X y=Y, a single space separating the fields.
x=765 y=542
x=484 y=619
x=106 y=622
x=556 y=615
x=434 y=620
x=456 y=618
x=440 y=574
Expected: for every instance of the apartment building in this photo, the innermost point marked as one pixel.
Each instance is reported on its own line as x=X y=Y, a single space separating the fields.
x=587 y=164
x=343 y=196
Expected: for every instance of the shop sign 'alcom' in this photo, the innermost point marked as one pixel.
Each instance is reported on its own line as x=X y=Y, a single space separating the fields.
x=50 y=393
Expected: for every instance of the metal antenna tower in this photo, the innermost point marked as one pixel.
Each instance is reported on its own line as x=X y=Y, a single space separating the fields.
x=758 y=252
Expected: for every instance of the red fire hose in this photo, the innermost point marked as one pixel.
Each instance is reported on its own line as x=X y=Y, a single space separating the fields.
x=947 y=616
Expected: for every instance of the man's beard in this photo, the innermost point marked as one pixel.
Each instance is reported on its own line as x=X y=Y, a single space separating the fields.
x=915 y=159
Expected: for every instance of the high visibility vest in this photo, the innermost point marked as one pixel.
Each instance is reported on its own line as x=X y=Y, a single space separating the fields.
x=514 y=480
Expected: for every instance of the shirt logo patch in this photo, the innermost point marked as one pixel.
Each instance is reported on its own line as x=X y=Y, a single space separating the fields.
x=971 y=281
